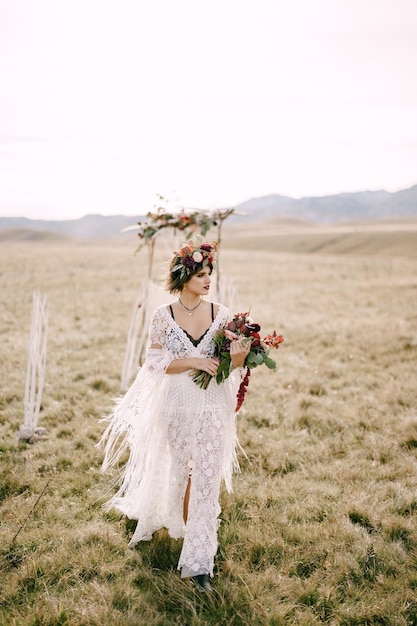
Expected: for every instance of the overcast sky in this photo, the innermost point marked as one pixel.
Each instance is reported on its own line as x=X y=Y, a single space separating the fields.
x=105 y=103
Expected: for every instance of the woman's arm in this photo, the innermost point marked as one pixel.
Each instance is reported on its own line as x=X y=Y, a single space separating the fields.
x=177 y=366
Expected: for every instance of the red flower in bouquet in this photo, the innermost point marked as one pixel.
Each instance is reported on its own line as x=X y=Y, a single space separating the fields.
x=241 y=326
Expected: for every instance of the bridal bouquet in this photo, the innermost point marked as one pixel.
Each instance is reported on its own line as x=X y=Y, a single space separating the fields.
x=241 y=326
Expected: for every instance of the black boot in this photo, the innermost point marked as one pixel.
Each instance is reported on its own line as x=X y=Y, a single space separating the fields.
x=202 y=582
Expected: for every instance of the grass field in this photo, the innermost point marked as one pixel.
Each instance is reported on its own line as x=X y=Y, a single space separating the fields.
x=322 y=525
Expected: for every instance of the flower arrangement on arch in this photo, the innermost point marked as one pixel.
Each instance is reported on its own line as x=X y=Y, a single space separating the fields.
x=241 y=326
x=162 y=219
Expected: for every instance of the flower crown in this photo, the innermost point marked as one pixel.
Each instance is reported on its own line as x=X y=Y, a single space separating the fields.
x=191 y=256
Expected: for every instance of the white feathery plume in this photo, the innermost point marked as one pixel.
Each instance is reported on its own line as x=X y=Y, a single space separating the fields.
x=35 y=375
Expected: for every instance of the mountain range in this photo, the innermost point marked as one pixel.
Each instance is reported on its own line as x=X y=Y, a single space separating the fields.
x=344 y=207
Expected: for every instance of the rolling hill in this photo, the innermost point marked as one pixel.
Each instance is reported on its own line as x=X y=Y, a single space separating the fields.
x=332 y=209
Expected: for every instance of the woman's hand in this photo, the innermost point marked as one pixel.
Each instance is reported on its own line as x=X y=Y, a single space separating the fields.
x=239 y=350
x=209 y=365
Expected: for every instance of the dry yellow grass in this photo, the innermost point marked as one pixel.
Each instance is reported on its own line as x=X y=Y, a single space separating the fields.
x=322 y=525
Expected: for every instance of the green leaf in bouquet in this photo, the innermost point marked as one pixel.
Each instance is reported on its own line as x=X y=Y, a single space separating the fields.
x=270 y=363
x=223 y=370
x=258 y=358
x=251 y=359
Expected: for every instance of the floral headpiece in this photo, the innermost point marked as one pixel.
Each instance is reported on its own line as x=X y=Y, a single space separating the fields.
x=191 y=256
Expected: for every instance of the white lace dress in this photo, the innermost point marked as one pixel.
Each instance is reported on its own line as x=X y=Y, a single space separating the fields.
x=165 y=421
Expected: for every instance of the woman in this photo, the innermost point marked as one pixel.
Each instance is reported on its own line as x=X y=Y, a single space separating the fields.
x=181 y=438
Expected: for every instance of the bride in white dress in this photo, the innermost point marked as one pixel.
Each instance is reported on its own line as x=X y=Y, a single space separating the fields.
x=181 y=438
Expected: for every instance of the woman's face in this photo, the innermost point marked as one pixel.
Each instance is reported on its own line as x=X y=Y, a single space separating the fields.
x=199 y=283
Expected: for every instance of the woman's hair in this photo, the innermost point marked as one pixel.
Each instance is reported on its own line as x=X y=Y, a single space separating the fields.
x=189 y=260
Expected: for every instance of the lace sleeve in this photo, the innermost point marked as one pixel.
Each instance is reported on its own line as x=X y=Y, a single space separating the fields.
x=157 y=356
x=157 y=329
x=157 y=359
